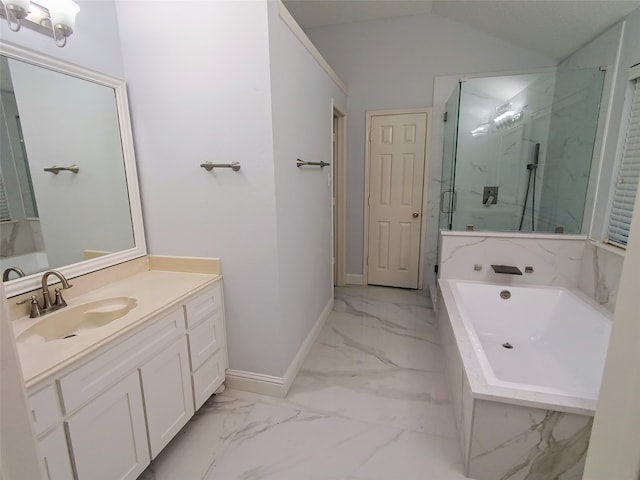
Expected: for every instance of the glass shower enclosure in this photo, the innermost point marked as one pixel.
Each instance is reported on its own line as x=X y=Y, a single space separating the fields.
x=517 y=151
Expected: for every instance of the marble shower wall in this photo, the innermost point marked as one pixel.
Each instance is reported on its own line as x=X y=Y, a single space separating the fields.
x=556 y=259
x=19 y=237
x=500 y=156
x=565 y=260
x=574 y=122
x=600 y=270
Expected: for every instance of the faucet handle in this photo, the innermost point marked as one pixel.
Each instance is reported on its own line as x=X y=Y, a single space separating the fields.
x=59 y=302
x=35 y=308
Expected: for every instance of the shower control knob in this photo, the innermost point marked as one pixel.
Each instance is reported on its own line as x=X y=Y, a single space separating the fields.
x=416 y=214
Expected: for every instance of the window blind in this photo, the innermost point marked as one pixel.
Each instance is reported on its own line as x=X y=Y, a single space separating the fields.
x=4 y=206
x=627 y=182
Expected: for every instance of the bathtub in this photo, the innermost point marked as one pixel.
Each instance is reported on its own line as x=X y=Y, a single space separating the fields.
x=29 y=262
x=525 y=364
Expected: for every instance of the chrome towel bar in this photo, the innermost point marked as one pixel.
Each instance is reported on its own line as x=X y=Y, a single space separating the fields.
x=55 y=170
x=302 y=163
x=208 y=166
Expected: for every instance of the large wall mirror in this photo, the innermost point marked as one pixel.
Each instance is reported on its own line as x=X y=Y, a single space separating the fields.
x=69 y=196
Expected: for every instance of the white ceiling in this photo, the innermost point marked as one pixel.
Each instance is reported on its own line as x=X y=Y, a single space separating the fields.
x=555 y=28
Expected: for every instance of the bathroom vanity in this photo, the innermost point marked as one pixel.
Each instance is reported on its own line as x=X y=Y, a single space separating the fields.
x=113 y=376
x=109 y=397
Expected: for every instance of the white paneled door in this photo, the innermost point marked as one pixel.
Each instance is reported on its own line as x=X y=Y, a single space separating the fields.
x=396 y=178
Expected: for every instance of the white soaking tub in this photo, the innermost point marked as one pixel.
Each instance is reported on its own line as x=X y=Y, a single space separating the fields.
x=525 y=364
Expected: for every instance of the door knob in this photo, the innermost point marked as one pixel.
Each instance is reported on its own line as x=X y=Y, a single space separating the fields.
x=416 y=214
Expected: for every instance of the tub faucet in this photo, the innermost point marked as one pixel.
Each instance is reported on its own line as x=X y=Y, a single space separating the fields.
x=17 y=270
x=508 y=269
x=46 y=297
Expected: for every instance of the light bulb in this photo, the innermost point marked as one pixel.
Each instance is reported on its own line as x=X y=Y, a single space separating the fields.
x=63 y=12
x=16 y=10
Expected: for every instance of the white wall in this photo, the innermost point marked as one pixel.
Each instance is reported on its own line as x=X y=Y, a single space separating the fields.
x=234 y=83
x=302 y=95
x=392 y=64
x=200 y=91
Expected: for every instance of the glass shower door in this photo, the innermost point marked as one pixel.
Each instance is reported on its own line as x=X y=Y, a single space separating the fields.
x=518 y=150
x=447 y=194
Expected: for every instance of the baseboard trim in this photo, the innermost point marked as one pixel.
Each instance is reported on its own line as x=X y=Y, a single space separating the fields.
x=255 y=383
x=278 y=386
x=354 y=279
x=303 y=351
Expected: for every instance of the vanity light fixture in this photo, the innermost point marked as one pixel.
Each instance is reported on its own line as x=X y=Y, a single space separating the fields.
x=507 y=116
x=15 y=11
x=54 y=18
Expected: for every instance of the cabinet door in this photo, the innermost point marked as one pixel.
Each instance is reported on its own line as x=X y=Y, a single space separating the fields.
x=208 y=378
x=55 y=455
x=168 y=399
x=108 y=437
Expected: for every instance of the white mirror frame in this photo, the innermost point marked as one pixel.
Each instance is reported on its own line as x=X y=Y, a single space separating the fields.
x=33 y=282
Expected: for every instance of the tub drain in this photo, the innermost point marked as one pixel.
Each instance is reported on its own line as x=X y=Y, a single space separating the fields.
x=505 y=294
x=507 y=345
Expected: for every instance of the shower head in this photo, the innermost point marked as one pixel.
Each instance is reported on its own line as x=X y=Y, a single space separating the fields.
x=536 y=157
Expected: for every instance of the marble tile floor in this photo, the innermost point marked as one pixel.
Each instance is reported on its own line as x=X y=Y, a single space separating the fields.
x=370 y=402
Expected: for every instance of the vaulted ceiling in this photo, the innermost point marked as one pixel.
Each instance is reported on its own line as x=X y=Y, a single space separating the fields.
x=554 y=28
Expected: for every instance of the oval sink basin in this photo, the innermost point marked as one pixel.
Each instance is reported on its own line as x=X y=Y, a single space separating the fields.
x=69 y=322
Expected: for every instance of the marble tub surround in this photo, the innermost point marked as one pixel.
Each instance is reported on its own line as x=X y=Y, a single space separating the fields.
x=154 y=291
x=600 y=271
x=511 y=442
x=370 y=402
x=509 y=433
x=556 y=259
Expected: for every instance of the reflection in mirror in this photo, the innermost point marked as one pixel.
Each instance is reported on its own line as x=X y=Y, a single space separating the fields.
x=68 y=189
x=521 y=151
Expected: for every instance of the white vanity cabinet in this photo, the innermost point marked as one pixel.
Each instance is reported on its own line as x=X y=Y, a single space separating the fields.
x=109 y=416
x=107 y=437
x=168 y=401
x=204 y=317
x=52 y=443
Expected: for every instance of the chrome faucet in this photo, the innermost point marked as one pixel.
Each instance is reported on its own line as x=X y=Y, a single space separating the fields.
x=46 y=297
x=17 y=270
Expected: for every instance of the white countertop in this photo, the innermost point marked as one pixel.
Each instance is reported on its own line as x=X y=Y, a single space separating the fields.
x=154 y=291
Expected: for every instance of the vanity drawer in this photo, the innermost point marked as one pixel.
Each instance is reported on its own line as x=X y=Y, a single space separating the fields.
x=205 y=339
x=208 y=378
x=203 y=306
x=44 y=409
x=90 y=379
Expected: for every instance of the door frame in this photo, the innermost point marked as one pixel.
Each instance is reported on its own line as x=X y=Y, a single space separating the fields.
x=339 y=193
x=425 y=188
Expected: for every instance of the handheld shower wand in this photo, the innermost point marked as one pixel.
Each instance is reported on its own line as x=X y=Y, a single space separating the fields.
x=532 y=170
